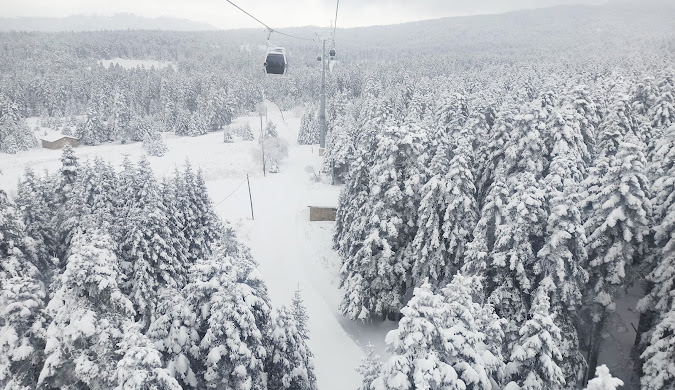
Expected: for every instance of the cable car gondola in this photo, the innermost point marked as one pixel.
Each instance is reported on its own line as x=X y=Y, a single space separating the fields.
x=275 y=61
x=331 y=53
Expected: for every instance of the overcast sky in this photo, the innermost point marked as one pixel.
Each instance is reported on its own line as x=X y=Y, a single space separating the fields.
x=278 y=13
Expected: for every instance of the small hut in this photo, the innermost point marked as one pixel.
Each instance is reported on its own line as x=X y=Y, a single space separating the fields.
x=58 y=141
x=322 y=213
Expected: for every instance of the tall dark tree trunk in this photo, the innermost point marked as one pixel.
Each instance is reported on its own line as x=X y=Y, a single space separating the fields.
x=594 y=346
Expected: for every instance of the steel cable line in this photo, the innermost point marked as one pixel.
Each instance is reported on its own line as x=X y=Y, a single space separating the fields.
x=270 y=29
x=337 y=6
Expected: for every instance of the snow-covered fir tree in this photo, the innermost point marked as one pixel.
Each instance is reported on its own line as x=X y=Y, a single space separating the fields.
x=89 y=311
x=140 y=367
x=617 y=223
x=309 y=128
x=22 y=300
x=149 y=257
x=417 y=348
x=374 y=276
x=199 y=225
x=447 y=214
x=462 y=337
x=227 y=136
x=369 y=368
x=351 y=217
x=535 y=358
x=232 y=347
x=153 y=143
x=270 y=131
x=289 y=364
x=15 y=135
x=175 y=335
x=34 y=199
x=93 y=130
x=659 y=303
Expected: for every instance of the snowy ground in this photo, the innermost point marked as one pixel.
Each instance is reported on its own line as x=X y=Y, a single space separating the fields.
x=292 y=251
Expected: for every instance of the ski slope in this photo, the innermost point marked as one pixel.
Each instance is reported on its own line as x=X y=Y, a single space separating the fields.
x=292 y=251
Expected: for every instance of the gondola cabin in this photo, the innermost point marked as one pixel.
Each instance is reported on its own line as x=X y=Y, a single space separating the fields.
x=275 y=61
x=331 y=52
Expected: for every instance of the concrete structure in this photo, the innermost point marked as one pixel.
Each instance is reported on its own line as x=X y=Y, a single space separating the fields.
x=322 y=213
x=58 y=141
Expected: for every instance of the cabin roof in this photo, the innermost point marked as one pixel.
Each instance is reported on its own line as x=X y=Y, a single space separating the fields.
x=56 y=137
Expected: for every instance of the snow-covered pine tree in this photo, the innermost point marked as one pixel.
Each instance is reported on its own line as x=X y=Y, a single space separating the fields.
x=270 y=131
x=175 y=214
x=659 y=303
x=369 y=368
x=22 y=295
x=68 y=205
x=200 y=225
x=300 y=314
x=509 y=276
x=153 y=143
x=618 y=220
x=374 y=276
x=603 y=380
x=92 y=131
x=232 y=346
x=33 y=199
x=661 y=114
x=69 y=166
x=535 y=357
x=309 y=128
x=183 y=122
x=120 y=118
x=563 y=256
x=288 y=364
x=447 y=214
x=150 y=258
x=245 y=132
x=88 y=311
x=491 y=155
x=491 y=349
x=98 y=191
x=418 y=348
x=421 y=102
x=227 y=135
x=644 y=94
x=351 y=218
x=659 y=357
x=463 y=341
x=617 y=124
x=140 y=367
x=197 y=125
x=14 y=132
x=175 y=335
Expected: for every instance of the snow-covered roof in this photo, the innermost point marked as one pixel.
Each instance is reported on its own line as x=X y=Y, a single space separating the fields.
x=55 y=137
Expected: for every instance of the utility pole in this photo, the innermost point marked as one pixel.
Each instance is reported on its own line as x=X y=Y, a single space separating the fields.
x=262 y=144
x=250 y=198
x=322 y=109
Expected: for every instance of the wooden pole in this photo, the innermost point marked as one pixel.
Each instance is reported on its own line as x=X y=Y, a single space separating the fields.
x=250 y=198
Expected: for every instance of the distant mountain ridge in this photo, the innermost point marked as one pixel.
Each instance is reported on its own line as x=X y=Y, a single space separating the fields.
x=121 y=21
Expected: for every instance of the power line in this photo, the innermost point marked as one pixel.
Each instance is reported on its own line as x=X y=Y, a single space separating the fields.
x=270 y=29
x=337 y=6
x=231 y=193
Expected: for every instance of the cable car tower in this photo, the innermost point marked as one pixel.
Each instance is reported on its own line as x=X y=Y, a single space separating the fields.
x=276 y=62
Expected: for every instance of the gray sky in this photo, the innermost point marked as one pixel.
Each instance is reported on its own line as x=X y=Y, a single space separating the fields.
x=278 y=13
